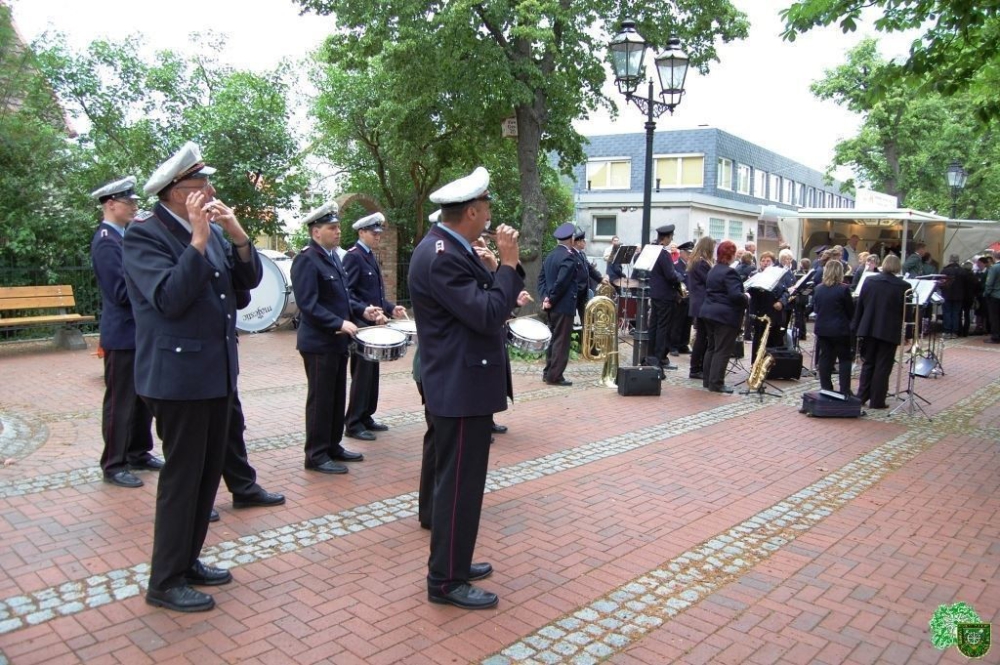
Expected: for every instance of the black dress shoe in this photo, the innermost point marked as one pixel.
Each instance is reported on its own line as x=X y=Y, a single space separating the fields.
x=346 y=455
x=149 y=464
x=696 y=375
x=374 y=426
x=465 y=596
x=362 y=434
x=480 y=571
x=564 y=382
x=675 y=353
x=213 y=516
x=327 y=467
x=425 y=525
x=499 y=429
x=180 y=599
x=202 y=575
x=123 y=479
x=259 y=498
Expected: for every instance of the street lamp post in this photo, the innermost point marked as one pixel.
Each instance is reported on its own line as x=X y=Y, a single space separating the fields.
x=956 y=180
x=628 y=52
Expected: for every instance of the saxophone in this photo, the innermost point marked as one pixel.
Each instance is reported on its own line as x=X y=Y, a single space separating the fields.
x=763 y=361
x=599 y=340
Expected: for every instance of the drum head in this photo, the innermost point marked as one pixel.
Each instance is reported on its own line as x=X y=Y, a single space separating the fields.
x=532 y=329
x=380 y=337
x=268 y=302
x=405 y=326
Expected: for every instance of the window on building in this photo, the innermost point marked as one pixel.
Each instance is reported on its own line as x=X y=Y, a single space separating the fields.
x=717 y=228
x=774 y=188
x=800 y=198
x=605 y=226
x=789 y=187
x=829 y=199
x=724 y=177
x=735 y=230
x=679 y=170
x=609 y=173
x=743 y=179
x=760 y=184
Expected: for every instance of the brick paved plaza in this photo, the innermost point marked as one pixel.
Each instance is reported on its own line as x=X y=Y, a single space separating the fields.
x=693 y=527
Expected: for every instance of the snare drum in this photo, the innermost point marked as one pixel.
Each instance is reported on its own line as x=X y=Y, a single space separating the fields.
x=405 y=326
x=528 y=335
x=378 y=343
x=272 y=303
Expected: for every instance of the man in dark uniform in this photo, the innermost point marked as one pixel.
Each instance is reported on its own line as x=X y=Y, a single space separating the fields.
x=664 y=292
x=878 y=318
x=680 y=329
x=461 y=306
x=125 y=418
x=327 y=325
x=182 y=277
x=364 y=279
x=558 y=288
x=592 y=276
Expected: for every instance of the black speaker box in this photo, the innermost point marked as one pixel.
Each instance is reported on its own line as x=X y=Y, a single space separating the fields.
x=638 y=381
x=787 y=364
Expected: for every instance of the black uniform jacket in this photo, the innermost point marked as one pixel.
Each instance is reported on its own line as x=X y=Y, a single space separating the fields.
x=664 y=281
x=117 y=322
x=185 y=308
x=461 y=308
x=558 y=279
x=879 y=310
x=324 y=301
x=364 y=277
x=725 y=300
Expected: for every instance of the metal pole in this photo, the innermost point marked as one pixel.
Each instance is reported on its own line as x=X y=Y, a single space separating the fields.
x=954 y=202
x=640 y=338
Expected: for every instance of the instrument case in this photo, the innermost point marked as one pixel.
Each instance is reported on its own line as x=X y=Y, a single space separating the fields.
x=819 y=405
x=787 y=364
x=638 y=381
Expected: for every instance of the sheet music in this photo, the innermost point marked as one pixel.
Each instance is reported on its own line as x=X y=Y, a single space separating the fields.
x=622 y=255
x=861 y=282
x=796 y=288
x=647 y=258
x=766 y=279
x=923 y=289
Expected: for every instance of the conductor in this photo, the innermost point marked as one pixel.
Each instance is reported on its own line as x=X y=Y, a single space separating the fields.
x=461 y=306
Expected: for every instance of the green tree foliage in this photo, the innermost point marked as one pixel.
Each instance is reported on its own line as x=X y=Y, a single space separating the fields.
x=907 y=140
x=958 y=50
x=540 y=61
x=41 y=212
x=137 y=112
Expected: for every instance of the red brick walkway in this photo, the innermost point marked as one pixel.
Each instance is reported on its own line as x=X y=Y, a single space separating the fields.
x=586 y=500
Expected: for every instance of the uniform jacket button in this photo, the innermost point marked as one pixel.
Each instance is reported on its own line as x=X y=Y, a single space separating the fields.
x=223 y=296
x=484 y=361
x=217 y=274
x=178 y=349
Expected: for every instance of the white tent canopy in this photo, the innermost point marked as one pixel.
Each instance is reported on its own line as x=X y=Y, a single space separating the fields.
x=809 y=228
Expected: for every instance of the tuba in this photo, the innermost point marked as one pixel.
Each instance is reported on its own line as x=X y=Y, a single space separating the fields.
x=763 y=361
x=599 y=340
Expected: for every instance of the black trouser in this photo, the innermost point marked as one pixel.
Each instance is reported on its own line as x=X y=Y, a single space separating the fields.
x=462 y=452
x=830 y=349
x=718 y=351
x=993 y=307
x=326 y=377
x=700 y=344
x=240 y=477
x=425 y=497
x=680 y=328
x=873 y=385
x=966 y=319
x=125 y=418
x=800 y=316
x=659 y=327
x=194 y=447
x=364 y=393
x=557 y=355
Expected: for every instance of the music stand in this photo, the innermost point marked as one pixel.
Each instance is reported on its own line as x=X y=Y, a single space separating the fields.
x=623 y=254
x=910 y=403
x=926 y=296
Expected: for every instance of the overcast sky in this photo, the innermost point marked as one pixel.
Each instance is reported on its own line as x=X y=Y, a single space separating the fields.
x=759 y=90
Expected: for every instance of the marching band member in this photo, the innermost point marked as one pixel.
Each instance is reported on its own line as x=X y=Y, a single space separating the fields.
x=724 y=307
x=878 y=318
x=770 y=304
x=702 y=259
x=664 y=293
x=557 y=287
x=460 y=307
x=834 y=307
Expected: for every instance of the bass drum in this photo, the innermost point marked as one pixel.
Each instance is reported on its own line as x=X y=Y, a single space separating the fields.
x=272 y=303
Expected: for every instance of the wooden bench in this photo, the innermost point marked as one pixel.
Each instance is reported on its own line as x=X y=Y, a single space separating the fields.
x=50 y=306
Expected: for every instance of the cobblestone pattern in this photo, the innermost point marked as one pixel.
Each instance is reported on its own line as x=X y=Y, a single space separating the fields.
x=620 y=618
x=20 y=437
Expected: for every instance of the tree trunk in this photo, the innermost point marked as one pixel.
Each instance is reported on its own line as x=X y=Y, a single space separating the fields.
x=534 y=207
